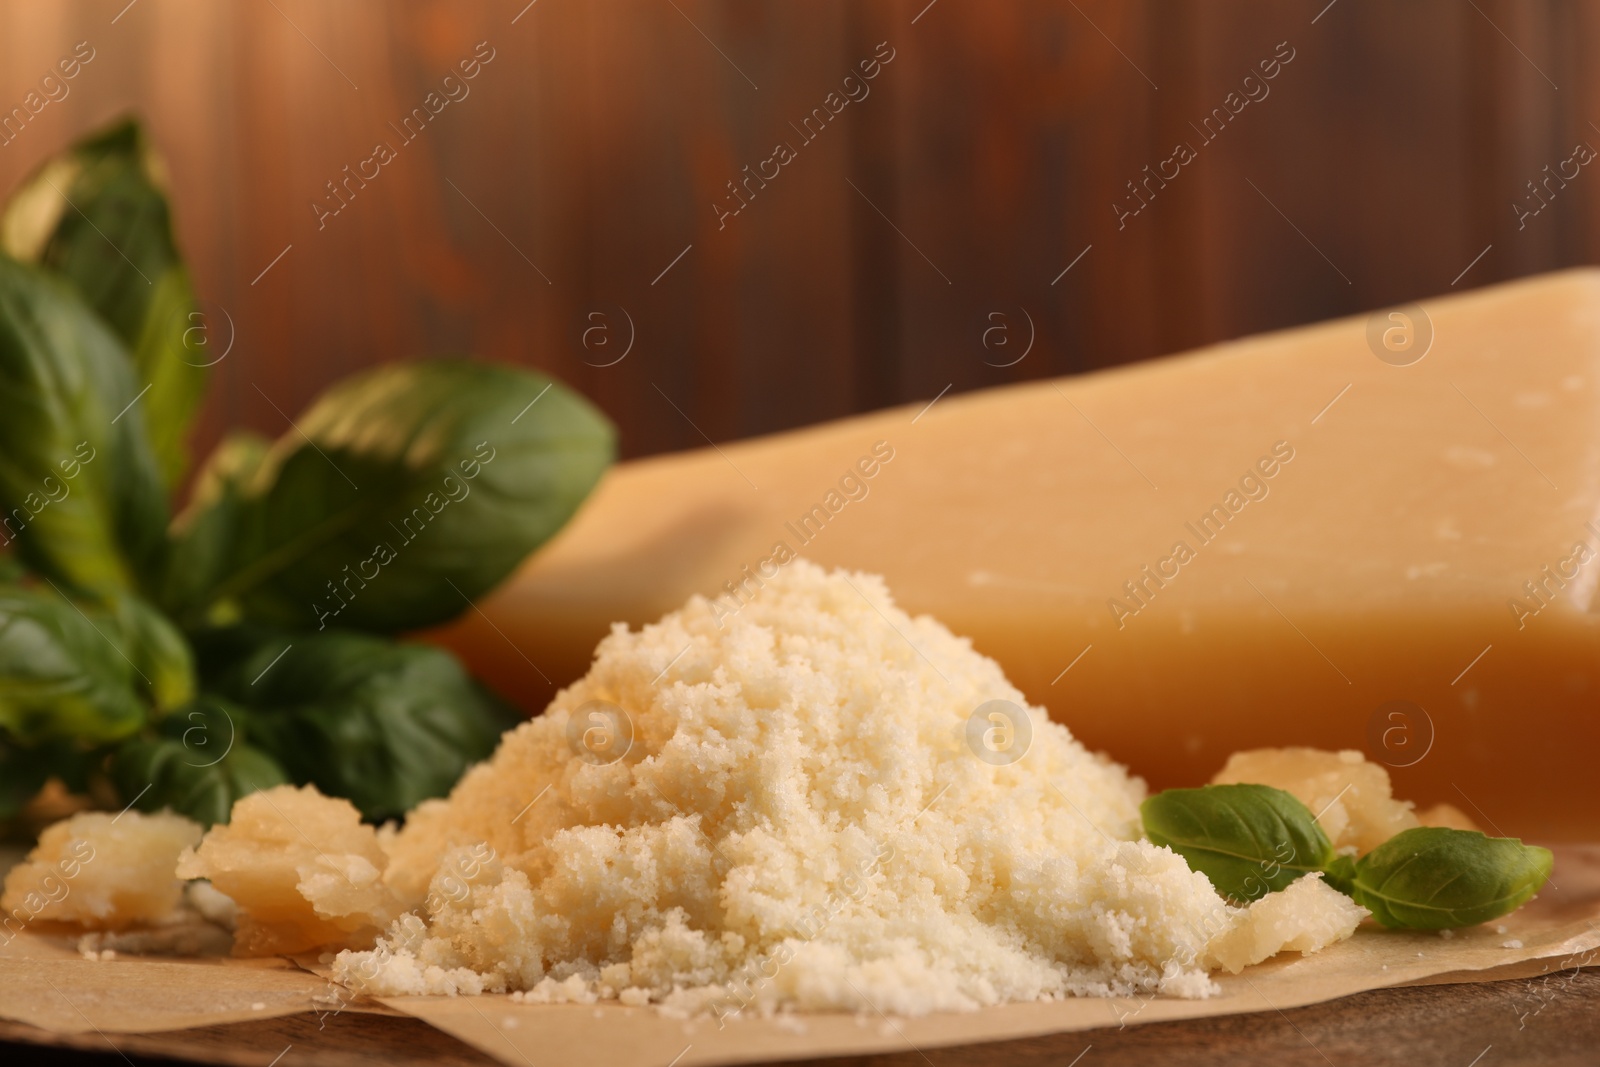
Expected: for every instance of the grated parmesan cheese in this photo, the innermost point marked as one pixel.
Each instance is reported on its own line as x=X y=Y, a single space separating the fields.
x=791 y=808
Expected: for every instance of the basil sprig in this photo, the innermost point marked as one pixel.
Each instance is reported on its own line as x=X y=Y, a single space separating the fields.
x=98 y=216
x=1250 y=840
x=182 y=663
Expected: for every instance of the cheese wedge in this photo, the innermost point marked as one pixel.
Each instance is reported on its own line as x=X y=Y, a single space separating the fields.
x=1283 y=540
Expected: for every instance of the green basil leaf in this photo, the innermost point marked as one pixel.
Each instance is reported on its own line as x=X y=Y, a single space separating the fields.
x=98 y=215
x=1433 y=878
x=406 y=490
x=386 y=725
x=61 y=675
x=1249 y=840
x=203 y=536
x=81 y=499
x=158 y=651
x=198 y=765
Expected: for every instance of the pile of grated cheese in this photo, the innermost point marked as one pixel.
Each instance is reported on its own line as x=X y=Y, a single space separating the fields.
x=786 y=811
x=816 y=803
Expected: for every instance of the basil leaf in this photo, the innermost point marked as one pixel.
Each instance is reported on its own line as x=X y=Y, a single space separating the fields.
x=81 y=500
x=158 y=651
x=203 y=535
x=1249 y=840
x=409 y=489
x=1434 y=878
x=98 y=215
x=386 y=725
x=198 y=765
x=61 y=677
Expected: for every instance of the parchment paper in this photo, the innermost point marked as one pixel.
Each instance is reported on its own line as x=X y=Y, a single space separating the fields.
x=44 y=982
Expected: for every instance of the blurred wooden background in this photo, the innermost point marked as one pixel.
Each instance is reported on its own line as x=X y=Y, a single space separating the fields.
x=578 y=177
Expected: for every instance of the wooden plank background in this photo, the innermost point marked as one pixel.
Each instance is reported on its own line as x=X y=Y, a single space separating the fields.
x=927 y=224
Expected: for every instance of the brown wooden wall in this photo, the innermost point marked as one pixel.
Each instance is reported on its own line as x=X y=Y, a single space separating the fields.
x=1384 y=157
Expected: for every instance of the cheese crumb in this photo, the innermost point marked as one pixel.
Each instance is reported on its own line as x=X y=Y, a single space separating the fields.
x=302 y=869
x=101 y=872
x=790 y=808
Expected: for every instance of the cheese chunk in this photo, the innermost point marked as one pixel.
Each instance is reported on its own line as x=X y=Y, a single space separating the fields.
x=303 y=870
x=1350 y=796
x=1264 y=543
x=1307 y=916
x=90 y=871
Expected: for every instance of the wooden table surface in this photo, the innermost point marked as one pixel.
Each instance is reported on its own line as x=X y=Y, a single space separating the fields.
x=1552 y=1020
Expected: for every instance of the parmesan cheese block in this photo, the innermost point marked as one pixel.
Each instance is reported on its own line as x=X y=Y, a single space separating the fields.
x=1281 y=541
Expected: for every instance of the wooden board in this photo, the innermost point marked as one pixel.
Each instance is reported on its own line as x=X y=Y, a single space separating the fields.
x=1552 y=1020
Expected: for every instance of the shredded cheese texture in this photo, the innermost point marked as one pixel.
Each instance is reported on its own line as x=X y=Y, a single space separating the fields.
x=787 y=810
